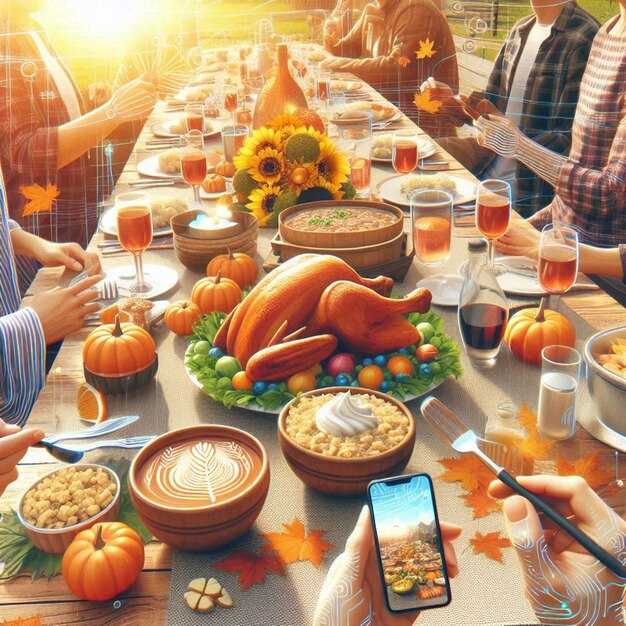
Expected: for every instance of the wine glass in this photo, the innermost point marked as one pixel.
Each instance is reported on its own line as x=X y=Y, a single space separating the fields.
x=558 y=259
x=194 y=117
x=134 y=231
x=493 y=211
x=404 y=152
x=193 y=161
x=230 y=100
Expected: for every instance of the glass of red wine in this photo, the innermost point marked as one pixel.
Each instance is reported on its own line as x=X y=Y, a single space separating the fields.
x=193 y=161
x=404 y=152
x=493 y=211
x=558 y=259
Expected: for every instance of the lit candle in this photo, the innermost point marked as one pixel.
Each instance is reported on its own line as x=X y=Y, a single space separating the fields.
x=203 y=221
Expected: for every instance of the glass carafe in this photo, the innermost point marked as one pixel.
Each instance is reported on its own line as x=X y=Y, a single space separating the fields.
x=483 y=308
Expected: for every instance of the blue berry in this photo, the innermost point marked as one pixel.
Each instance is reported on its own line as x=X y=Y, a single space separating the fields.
x=354 y=383
x=385 y=386
x=368 y=361
x=343 y=379
x=273 y=387
x=403 y=351
x=259 y=388
x=400 y=377
x=426 y=370
x=380 y=360
x=216 y=353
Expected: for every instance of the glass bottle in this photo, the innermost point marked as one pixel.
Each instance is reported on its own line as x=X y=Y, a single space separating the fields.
x=280 y=94
x=483 y=308
x=502 y=432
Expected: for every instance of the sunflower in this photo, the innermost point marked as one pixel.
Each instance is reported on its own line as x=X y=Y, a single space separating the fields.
x=261 y=139
x=335 y=190
x=284 y=122
x=266 y=166
x=262 y=202
x=300 y=176
x=332 y=165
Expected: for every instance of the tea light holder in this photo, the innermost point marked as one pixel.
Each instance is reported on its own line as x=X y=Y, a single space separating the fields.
x=214 y=225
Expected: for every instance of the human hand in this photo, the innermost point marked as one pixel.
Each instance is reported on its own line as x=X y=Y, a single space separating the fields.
x=71 y=255
x=564 y=583
x=62 y=311
x=98 y=93
x=14 y=443
x=521 y=239
x=134 y=100
x=452 y=106
x=353 y=592
x=499 y=134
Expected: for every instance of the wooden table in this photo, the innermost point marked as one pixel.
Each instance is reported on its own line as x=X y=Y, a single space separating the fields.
x=146 y=602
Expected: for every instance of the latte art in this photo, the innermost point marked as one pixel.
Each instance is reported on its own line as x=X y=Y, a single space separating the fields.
x=199 y=471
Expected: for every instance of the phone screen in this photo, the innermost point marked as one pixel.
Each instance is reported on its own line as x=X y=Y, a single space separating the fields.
x=408 y=542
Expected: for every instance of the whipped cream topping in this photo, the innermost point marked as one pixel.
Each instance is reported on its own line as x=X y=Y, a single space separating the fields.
x=345 y=416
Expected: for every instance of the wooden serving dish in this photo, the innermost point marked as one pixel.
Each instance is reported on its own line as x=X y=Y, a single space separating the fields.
x=338 y=475
x=343 y=239
x=194 y=249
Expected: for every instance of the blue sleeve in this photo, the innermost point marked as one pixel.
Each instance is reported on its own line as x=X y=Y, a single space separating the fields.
x=26 y=267
x=22 y=364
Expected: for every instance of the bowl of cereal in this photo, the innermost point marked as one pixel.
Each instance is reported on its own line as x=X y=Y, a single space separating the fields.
x=338 y=439
x=67 y=500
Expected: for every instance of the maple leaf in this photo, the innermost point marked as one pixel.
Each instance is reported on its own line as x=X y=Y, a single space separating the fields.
x=426 y=49
x=295 y=545
x=469 y=470
x=404 y=61
x=527 y=418
x=533 y=446
x=481 y=503
x=588 y=467
x=490 y=545
x=424 y=103
x=250 y=566
x=39 y=199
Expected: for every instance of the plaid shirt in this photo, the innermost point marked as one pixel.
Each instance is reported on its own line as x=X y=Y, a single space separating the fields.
x=551 y=91
x=591 y=185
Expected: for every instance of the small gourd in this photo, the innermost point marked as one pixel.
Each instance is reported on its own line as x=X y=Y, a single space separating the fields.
x=237 y=266
x=181 y=316
x=215 y=293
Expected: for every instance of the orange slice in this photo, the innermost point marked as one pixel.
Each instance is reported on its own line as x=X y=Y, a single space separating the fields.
x=91 y=404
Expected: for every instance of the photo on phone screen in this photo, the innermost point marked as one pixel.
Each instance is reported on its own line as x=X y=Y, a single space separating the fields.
x=408 y=542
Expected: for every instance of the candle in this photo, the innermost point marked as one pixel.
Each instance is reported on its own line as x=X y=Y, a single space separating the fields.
x=210 y=222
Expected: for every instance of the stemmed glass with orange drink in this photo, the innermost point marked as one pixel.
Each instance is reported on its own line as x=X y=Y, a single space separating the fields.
x=558 y=259
x=193 y=161
x=493 y=211
x=134 y=231
x=404 y=152
x=230 y=100
x=194 y=117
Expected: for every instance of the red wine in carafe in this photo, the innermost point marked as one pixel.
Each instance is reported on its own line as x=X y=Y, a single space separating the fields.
x=482 y=325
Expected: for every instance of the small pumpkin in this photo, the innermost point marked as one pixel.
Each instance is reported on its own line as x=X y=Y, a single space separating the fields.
x=181 y=316
x=214 y=183
x=215 y=293
x=118 y=349
x=225 y=169
x=103 y=561
x=237 y=266
x=529 y=331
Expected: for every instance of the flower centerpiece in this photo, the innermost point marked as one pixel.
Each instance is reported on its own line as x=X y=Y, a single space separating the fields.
x=289 y=161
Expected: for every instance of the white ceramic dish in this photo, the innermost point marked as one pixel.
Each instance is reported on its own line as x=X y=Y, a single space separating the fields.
x=108 y=225
x=389 y=189
x=150 y=167
x=425 y=149
x=445 y=288
x=161 y=277
x=162 y=129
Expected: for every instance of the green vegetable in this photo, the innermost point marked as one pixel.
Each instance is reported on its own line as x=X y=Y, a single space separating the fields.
x=227 y=366
x=202 y=347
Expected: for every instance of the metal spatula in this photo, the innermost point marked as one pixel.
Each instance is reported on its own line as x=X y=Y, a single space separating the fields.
x=449 y=428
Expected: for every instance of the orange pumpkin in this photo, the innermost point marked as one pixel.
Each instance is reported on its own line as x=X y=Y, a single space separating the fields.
x=103 y=561
x=214 y=183
x=181 y=316
x=310 y=118
x=225 y=169
x=237 y=266
x=529 y=331
x=215 y=293
x=118 y=349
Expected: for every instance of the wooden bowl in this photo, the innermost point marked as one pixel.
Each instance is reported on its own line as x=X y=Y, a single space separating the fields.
x=338 y=475
x=349 y=239
x=358 y=258
x=57 y=540
x=122 y=384
x=189 y=512
x=195 y=251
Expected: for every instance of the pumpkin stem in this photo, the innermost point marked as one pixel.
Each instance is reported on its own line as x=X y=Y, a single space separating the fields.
x=117 y=331
x=100 y=543
x=231 y=256
x=218 y=277
x=540 y=317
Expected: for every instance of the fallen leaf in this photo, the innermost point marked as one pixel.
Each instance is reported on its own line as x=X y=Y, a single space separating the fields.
x=23 y=621
x=39 y=199
x=424 y=103
x=295 y=545
x=490 y=545
x=426 y=49
x=250 y=566
x=467 y=469
x=404 y=61
x=535 y=447
x=588 y=467
x=527 y=418
x=481 y=503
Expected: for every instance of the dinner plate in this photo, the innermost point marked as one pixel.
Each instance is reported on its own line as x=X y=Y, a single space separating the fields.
x=161 y=277
x=425 y=149
x=390 y=113
x=162 y=129
x=347 y=86
x=212 y=196
x=150 y=167
x=389 y=189
x=445 y=288
x=181 y=96
x=108 y=225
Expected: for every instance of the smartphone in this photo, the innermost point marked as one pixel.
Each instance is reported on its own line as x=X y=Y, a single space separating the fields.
x=408 y=543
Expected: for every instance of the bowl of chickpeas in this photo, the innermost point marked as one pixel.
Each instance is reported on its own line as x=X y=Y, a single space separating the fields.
x=67 y=500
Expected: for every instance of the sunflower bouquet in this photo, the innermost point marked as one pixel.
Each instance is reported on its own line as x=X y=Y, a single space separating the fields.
x=286 y=163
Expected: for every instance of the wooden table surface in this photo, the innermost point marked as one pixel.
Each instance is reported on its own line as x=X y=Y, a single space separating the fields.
x=146 y=601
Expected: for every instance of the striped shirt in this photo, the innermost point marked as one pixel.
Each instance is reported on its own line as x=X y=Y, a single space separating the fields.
x=22 y=345
x=591 y=185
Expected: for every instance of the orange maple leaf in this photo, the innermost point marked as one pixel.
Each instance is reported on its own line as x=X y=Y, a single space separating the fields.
x=588 y=467
x=426 y=49
x=535 y=447
x=295 y=545
x=481 y=503
x=527 y=418
x=469 y=470
x=250 y=566
x=23 y=621
x=490 y=545
x=424 y=103
x=404 y=61
x=39 y=199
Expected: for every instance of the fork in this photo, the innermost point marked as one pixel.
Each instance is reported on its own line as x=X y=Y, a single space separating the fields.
x=452 y=430
x=75 y=453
